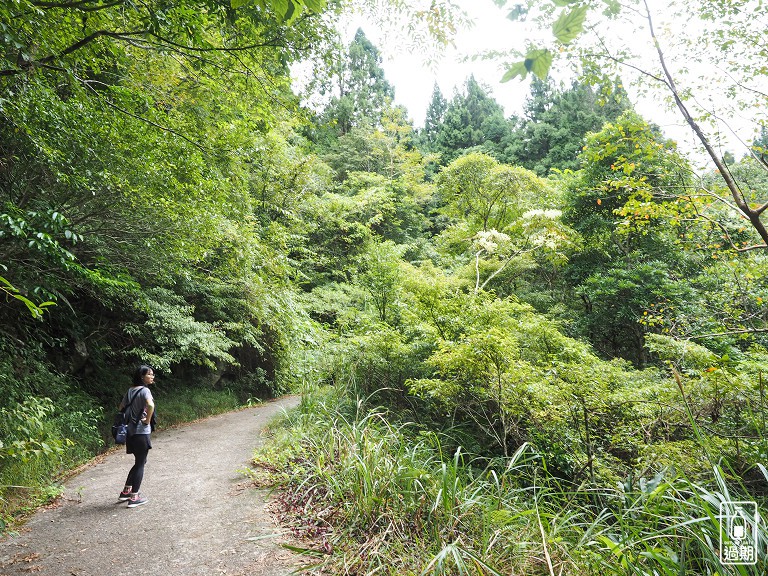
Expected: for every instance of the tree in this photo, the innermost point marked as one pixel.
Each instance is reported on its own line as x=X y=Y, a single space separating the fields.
x=471 y=120
x=488 y=202
x=624 y=202
x=133 y=171
x=362 y=91
x=380 y=278
x=433 y=118
x=484 y=193
x=552 y=133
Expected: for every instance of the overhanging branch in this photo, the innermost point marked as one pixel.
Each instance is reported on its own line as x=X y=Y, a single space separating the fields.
x=738 y=196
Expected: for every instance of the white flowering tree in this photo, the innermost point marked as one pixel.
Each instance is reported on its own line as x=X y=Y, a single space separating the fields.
x=488 y=202
x=538 y=231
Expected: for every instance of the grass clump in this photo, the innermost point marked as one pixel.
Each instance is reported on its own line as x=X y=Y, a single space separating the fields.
x=365 y=496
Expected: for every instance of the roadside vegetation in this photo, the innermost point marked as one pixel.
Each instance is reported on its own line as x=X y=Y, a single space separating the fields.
x=364 y=492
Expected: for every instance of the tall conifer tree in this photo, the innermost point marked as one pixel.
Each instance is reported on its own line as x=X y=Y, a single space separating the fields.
x=363 y=91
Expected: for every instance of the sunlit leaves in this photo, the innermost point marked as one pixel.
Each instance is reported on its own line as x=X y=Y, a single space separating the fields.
x=178 y=335
x=36 y=310
x=683 y=353
x=288 y=10
x=485 y=193
x=517 y=69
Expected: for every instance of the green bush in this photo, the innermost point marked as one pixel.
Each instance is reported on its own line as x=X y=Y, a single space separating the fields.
x=188 y=404
x=40 y=440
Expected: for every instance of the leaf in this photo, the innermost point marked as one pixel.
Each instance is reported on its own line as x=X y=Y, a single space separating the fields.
x=315 y=5
x=570 y=24
x=539 y=61
x=282 y=7
x=304 y=551
x=292 y=11
x=239 y=3
x=518 y=13
x=517 y=69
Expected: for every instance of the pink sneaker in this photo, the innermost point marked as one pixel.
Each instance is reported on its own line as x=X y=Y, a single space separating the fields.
x=136 y=500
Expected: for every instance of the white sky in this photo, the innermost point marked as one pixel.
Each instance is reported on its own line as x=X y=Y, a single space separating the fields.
x=413 y=78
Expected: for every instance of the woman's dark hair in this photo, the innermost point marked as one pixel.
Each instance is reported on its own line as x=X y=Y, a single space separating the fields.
x=138 y=375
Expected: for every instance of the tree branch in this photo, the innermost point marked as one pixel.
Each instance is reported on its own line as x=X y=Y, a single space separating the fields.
x=141 y=118
x=73 y=48
x=729 y=332
x=78 y=5
x=737 y=194
x=185 y=47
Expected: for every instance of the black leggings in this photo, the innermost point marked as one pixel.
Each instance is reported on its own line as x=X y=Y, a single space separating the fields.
x=139 y=447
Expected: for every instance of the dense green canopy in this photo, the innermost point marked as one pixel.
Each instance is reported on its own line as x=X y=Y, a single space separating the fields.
x=561 y=283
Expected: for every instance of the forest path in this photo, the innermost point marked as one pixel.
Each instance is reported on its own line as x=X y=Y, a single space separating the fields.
x=202 y=518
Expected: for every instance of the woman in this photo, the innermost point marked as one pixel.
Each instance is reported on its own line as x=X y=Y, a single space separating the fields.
x=140 y=407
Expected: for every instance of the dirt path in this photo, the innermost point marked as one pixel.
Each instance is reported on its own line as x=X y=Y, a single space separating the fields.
x=201 y=519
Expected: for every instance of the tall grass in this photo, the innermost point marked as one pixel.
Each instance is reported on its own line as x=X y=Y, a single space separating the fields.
x=375 y=498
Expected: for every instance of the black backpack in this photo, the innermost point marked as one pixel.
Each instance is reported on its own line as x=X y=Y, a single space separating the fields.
x=123 y=418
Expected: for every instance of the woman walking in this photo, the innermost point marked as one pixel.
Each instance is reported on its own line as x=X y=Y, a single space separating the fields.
x=140 y=407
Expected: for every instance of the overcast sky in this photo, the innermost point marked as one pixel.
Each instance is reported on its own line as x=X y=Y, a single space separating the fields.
x=414 y=79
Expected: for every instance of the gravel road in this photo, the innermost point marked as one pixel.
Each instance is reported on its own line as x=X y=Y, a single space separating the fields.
x=202 y=518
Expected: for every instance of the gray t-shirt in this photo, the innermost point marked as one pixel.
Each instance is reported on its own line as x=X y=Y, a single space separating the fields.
x=138 y=408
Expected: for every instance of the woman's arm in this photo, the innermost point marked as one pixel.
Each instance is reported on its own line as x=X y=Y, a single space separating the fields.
x=150 y=408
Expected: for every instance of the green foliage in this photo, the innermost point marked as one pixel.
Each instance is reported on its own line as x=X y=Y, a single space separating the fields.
x=170 y=324
x=289 y=10
x=488 y=195
x=551 y=135
x=471 y=119
x=40 y=439
x=179 y=211
x=25 y=432
x=192 y=403
x=624 y=202
x=362 y=93
x=569 y=25
x=433 y=117
x=701 y=32
x=380 y=278
x=491 y=228
x=152 y=185
x=537 y=61
x=36 y=310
